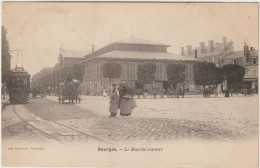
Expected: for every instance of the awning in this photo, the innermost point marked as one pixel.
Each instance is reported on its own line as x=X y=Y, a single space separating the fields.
x=250 y=79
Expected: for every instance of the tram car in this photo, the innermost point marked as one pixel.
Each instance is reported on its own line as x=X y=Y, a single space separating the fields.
x=19 y=86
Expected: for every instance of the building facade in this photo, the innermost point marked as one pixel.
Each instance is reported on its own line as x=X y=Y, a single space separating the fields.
x=248 y=58
x=213 y=52
x=129 y=54
x=70 y=57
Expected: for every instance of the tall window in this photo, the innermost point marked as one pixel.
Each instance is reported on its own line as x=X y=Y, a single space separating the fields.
x=235 y=61
x=94 y=70
x=159 y=71
x=124 y=71
x=221 y=62
x=131 y=71
x=99 y=70
x=254 y=61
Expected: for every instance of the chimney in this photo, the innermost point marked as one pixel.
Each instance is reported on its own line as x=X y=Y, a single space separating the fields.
x=202 y=47
x=93 y=49
x=196 y=54
x=225 y=41
x=189 y=50
x=182 y=51
x=211 y=42
x=246 y=52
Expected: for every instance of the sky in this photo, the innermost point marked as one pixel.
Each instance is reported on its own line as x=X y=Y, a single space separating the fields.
x=39 y=28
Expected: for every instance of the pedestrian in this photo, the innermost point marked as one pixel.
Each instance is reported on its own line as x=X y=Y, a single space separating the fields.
x=104 y=92
x=114 y=97
x=154 y=93
x=225 y=87
x=162 y=93
x=127 y=100
x=3 y=91
x=216 y=92
x=145 y=94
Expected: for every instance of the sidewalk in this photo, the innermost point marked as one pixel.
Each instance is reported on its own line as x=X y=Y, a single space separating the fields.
x=5 y=101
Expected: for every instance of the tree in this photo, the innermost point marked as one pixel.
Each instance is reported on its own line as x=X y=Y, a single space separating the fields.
x=146 y=73
x=6 y=57
x=65 y=71
x=42 y=78
x=69 y=78
x=78 y=71
x=176 y=74
x=111 y=71
x=205 y=73
x=234 y=74
x=218 y=76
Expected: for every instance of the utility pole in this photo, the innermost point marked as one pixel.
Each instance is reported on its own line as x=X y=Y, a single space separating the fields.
x=93 y=50
x=132 y=31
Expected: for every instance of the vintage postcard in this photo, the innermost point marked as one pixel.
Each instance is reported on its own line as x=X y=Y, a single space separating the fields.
x=128 y=84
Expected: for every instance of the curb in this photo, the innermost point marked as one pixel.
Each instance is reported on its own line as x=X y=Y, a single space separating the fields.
x=3 y=105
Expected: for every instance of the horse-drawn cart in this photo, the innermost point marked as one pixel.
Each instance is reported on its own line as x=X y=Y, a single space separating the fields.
x=69 y=91
x=176 y=93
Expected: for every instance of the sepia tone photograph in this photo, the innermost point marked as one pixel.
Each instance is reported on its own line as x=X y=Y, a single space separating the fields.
x=129 y=84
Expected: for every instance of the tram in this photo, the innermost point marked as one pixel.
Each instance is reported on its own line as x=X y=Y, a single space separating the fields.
x=19 y=86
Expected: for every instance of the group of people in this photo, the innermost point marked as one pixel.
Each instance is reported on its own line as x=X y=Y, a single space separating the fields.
x=156 y=91
x=121 y=97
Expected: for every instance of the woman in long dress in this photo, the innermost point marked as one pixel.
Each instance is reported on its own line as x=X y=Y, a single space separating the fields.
x=127 y=101
x=113 y=108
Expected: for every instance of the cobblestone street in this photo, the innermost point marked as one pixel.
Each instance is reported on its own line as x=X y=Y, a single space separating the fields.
x=154 y=120
x=221 y=131
x=171 y=119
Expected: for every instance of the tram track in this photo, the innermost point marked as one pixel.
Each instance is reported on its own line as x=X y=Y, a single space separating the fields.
x=58 y=139
x=96 y=138
x=37 y=129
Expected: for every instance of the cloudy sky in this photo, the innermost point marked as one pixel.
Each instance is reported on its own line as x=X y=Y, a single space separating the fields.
x=39 y=28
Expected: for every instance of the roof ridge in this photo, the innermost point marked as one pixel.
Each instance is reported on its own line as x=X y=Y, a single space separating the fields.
x=232 y=53
x=78 y=50
x=148 y=42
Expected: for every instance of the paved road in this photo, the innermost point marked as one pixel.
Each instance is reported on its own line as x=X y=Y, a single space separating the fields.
x=16 y=130
x=137 y=129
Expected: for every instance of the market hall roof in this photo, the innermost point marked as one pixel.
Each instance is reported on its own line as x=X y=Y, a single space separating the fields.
x=138 y=49
x=134 y=40
x=142 y=55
